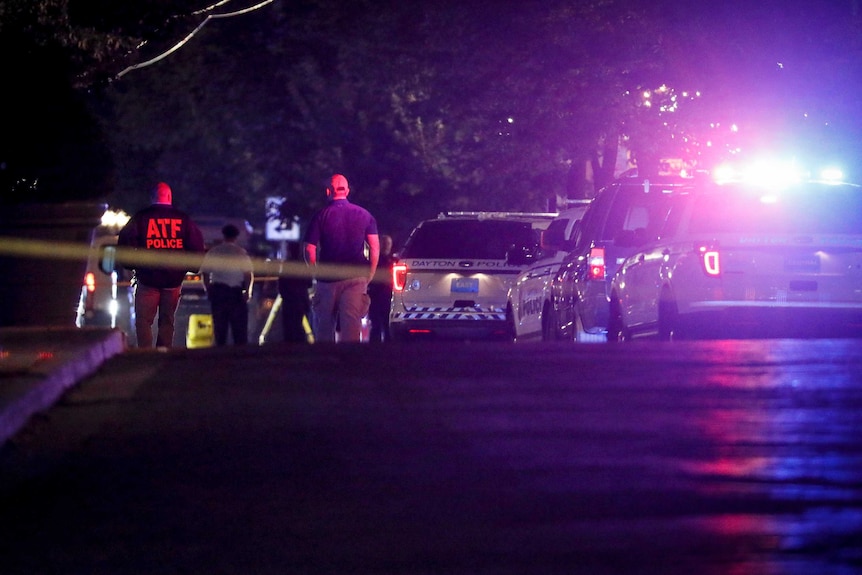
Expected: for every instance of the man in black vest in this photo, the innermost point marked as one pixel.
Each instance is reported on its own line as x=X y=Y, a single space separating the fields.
x=159 y=233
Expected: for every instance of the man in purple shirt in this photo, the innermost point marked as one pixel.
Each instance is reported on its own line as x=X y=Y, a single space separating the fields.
x=342 y=242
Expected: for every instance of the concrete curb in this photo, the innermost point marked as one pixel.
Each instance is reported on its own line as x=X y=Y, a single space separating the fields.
x=39 y=364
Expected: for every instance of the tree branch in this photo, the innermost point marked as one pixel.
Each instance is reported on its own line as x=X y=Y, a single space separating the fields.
x=182 y=42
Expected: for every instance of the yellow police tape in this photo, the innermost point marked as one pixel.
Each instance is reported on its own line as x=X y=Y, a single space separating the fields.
x=130 y=258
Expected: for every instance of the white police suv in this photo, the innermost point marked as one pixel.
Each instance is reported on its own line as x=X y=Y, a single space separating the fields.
x=742 y=260
x=451 y=279
x=107 y=296
x=530 y=299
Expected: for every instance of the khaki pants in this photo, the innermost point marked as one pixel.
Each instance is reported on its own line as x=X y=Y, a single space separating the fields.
x=342 y=303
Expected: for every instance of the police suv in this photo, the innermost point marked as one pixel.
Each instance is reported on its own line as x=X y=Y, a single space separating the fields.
x=107 y=296
x=530 y=298
x=451 y=278
x=742 y=259
x=623 y=216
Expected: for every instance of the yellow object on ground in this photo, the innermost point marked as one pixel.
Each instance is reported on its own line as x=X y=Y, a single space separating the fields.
x=200 y=331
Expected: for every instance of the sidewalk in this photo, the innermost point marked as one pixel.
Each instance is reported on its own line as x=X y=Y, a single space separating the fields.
x=37 y=364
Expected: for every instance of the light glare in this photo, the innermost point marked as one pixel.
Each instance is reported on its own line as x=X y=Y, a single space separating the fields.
x=832 y=174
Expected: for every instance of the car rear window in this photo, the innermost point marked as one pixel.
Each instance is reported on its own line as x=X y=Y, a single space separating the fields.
x=812 y=210
x=468 y=239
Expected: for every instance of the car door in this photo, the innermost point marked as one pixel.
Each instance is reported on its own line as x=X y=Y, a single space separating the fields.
x=571 y=283
x=644 y=272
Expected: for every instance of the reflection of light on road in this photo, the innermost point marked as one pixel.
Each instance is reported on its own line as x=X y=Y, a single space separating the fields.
x=737 y=524
x=793 y=532
x=779 y=429
x=728 y=468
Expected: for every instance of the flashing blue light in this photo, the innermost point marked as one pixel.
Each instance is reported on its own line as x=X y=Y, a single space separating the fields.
x=831 y=174
x=773 y=174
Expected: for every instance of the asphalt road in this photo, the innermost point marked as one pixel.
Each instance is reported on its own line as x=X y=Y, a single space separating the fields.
x=713 y=457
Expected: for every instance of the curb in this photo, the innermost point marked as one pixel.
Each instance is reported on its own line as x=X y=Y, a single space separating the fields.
x=51 y=365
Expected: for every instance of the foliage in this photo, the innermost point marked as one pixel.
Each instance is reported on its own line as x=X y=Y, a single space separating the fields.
x=53 y=150
x=425 y=106
x=422 y=108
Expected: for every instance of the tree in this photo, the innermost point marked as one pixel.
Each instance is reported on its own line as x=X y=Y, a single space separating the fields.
x=426 y=106
x=56 y=54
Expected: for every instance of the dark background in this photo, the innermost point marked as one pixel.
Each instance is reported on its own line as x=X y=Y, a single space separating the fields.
x=411 y=100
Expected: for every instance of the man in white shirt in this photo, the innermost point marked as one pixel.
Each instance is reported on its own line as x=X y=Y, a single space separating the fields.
x=228 y=276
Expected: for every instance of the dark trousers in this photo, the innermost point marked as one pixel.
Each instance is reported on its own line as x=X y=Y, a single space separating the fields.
x=294 y=307
x=230 y=312
x=378 y=313
x=291 y=317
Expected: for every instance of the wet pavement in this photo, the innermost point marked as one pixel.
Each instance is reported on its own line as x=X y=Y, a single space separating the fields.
x=712 y=457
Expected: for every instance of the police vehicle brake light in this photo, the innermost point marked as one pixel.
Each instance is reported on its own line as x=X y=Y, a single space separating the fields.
x=596 y=264
x=399 y=276
x=710 y=260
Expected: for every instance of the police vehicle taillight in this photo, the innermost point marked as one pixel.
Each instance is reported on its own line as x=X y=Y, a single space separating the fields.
x=399 y=276
x=709 y=257
x=596 y=264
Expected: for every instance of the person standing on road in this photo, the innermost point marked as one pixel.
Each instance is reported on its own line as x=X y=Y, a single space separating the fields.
x=339 y=235
x=228 y=275
x=295 y=307
x=159 y=233
x=381 y=294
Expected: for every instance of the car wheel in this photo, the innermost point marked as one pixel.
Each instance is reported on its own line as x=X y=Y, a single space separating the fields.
x=616 y=330
x=667 y=318
x=512 y=334
x=549 y=330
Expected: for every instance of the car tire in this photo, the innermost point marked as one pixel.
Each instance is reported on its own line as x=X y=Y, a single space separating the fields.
x=549 y=330
x=667 y=318
x=512 y=333
x=616 y=329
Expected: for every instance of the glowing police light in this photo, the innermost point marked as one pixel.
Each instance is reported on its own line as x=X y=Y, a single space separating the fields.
x=831 y=174
x=724 y=173
x=114 y=219
x=767 y=173
x=773 y=174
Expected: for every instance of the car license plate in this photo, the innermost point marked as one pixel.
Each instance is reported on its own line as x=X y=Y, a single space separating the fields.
x=465 y=285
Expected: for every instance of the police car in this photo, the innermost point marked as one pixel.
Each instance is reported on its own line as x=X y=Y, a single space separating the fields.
x=530 y=299
x=743 y=260
x=107 y=296
x=451 y=279
x=622 y=217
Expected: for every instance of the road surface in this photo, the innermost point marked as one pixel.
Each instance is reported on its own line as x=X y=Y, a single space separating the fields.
x=689 y=457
